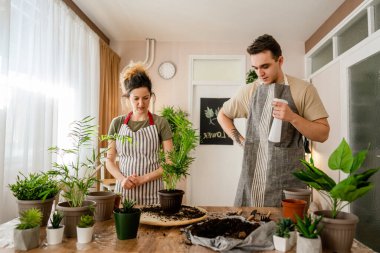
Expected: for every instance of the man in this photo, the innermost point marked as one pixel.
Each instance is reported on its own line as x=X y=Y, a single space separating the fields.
x=267 y=166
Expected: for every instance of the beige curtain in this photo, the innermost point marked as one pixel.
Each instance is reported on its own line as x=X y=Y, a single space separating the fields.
x=109 y=105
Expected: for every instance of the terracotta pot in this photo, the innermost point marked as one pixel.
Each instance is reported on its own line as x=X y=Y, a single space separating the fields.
x=337 y=234
x=290 y=207
x=298 y=193
x=170 y=200
x=105 y=202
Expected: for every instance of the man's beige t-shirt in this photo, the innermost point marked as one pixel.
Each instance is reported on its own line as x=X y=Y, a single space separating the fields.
x=305 y=96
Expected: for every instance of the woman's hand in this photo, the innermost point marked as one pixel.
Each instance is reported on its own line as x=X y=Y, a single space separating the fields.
x=139 y=180
x=127 y=183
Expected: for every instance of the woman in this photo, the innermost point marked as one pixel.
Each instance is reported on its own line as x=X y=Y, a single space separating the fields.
x=139 y=173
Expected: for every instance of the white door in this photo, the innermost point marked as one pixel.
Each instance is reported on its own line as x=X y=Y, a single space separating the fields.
x=214 y=175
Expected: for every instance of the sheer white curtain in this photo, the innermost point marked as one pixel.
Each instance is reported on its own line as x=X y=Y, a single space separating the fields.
x=51 y=78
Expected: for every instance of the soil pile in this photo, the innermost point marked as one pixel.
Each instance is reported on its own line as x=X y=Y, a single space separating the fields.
x=185 y=213
x=233 y=228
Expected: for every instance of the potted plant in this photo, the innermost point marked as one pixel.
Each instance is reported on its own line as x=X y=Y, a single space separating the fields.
x=284 y=237
x=308 y=234
x=251 y=76
x=127 y=220
x=339 y=227
x=54 y=232
x=105 y=202
x=36 y=190
x=176 y=162
x=76 y=173
x=85 y=228
x=27 y=234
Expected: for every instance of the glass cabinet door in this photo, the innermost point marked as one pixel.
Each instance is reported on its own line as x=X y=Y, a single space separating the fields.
x=364 y=130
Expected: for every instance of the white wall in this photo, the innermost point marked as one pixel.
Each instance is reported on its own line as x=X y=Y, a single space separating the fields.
x=328 y=86
x=176 y=91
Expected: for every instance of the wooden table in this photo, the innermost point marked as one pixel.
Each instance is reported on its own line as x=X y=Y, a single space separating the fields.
x=151 y=238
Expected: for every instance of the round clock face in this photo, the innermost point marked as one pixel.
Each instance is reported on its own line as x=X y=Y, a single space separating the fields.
x=166 y=70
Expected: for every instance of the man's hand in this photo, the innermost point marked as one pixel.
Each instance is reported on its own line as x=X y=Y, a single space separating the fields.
x=282 y=111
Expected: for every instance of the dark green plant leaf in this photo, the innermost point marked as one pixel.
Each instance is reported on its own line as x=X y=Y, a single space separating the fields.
x=358 y=160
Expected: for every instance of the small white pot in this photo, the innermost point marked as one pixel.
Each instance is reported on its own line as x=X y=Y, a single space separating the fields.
x=54 y=235
x=281 y=243
x=84 y=235
x=309 y=245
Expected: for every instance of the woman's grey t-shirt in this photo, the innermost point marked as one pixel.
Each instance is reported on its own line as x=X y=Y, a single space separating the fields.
x=163 y=127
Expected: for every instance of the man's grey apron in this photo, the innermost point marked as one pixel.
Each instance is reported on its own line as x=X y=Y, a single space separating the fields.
x=140 y=157
x=267 y=167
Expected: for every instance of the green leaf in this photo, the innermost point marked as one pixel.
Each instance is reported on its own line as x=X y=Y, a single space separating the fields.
x=358 y=160
x=341 y=158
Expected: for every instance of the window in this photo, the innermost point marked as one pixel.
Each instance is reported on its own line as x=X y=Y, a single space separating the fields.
x=322 y=56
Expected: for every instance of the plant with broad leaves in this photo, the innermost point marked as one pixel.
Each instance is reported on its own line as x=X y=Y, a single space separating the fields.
x=346 y=191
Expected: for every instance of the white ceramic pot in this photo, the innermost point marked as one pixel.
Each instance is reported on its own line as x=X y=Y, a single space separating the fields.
x=54 y=235
x=84 y=235
x=281 y=244
x=308 y=245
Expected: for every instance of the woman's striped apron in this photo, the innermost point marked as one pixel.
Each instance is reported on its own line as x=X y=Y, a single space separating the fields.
x=140 y=157
x=267 y=166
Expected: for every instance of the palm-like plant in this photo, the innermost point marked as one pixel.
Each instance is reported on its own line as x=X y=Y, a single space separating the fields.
x=346 y=191
x=176 y=163
x=77 y=176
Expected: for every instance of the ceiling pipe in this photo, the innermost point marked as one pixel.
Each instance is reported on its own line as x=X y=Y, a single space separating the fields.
x=147 y=51
x=151 y=53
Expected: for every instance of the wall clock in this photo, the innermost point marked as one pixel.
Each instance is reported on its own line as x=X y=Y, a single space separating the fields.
x=166 y=70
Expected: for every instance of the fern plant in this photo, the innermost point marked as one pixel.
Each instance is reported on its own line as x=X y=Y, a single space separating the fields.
x=30 y=218
x=308 y=227
x=86 y=221
x=56 y=219
x=34 y=186
x=176 y=162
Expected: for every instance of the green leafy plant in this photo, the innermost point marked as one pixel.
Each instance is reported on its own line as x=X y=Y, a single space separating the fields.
x=251 y=76
x=176 y=163
x=30 y=218
x=86 y=221
x=35 y=186
x=284 y=227
x=77 y=174
x=128 y=206
x=308 y=227
x=346 y=191
x=56 y=219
